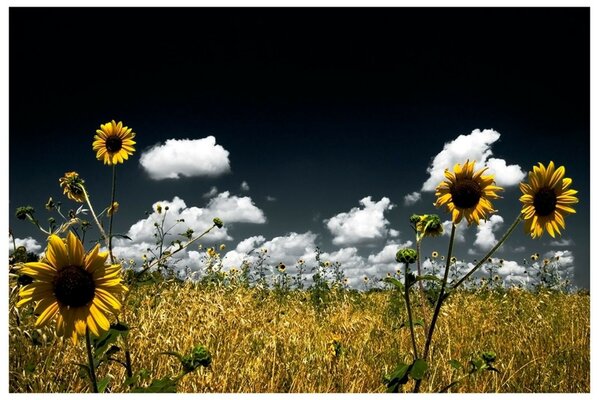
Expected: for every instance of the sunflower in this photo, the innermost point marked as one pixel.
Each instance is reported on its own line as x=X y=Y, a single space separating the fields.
x=546 y=200
x=113 y=143
x=76 y=288
x=466 y=193
x=72 y=186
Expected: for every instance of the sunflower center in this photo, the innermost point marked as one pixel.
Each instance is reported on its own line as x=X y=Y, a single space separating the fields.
x=113 y=144
x=545 y=201
x=74 y=286
x=465 y=193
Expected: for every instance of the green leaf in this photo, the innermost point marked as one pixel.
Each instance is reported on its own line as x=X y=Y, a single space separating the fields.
x=118 y=235
x=30 y=368
x=418 y=369
x=198 y=357
x=103 y=383
x=455 y=364
x=398 y=377
x=395 y=283
x=109 y=337
x=83 y=370
x=164 y=385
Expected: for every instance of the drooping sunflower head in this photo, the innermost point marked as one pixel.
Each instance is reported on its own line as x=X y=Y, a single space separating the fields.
x=429 y=225
x=113 y=143
x=546 y=199
x=466 y=193
x=76 y=288
x=72 y=186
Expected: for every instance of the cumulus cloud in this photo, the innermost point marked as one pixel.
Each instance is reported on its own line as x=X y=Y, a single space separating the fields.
x=29 y=243
x=562 y=242
x=231 y=209
x=475 y=146
x=485 y=232
x=185 y=157
x=360 y=225
x=460 y=230
x=245 y=186
x=211 y=193
x=411 y=198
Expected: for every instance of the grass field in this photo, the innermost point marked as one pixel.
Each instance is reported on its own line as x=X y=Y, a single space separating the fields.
x=268 y=341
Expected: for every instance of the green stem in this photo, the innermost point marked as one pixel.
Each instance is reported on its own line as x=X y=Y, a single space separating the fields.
x=111 y=213
x=161 y=259
x=490 y=253
x=90 y=358
x=409 y=309
x=440 y=299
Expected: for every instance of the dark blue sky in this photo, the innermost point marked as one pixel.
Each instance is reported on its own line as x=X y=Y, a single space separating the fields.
x=317 y=108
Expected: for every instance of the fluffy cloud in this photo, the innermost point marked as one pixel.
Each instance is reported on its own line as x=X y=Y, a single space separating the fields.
x=360 y=225
x=485 y=232
x=245 y=186
x=562 y=242
x=460 y=230
x=411 y=198
x=29 y=243
x=271 y=198
x=231 y=209
x=211 y=193
x=475 y=146
x=185 y=157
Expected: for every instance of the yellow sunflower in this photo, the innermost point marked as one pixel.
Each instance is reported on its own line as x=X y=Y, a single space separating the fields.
x=76 y=288
x=466 y=193
x=113 y=142
x=546 y=200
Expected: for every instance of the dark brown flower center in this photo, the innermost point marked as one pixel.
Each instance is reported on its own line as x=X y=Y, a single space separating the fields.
x=113 y=144
x=465 y=193
x=74 y=286
x=545 y=201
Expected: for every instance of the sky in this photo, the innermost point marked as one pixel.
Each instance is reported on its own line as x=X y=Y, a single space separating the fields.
x=302 y=128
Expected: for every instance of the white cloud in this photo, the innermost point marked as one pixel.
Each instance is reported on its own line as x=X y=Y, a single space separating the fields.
x=475 y=146
x=29 y=243
x=211 y=193
x=360 y=225
x=185 y=157
x=230 y=209
x=460 y=230
x=245 y=186
x=411 y=198
x=485 y=232
x=562 y=242
x=270 y=198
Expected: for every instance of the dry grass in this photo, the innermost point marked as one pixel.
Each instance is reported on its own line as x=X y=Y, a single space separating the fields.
x=264 y=342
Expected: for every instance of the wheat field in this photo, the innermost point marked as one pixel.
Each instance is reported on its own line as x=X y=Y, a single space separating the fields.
x=268 y=341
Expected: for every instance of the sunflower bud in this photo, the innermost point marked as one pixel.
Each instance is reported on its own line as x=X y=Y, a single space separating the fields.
x=113 y=208
x=218 y=222
x=25 y=212
x=429 y=225
x=50 y=205
x=72 y=186
x=406 y=256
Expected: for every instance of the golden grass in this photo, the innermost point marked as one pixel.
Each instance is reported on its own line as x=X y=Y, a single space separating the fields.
x=264 y=342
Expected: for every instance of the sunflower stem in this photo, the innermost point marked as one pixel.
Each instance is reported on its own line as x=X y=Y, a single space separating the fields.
x=440 y=299
x=112 y=213
x=91 y=210
x=90 y=358
x=506 y=235
x=409 y=309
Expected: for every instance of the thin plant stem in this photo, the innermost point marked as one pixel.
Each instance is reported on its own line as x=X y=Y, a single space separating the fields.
x=91 y=210
x=440 y=299
x=490 y=253
x=418 y=262
x=409 y=309
x=111 y=213
x=90 y=358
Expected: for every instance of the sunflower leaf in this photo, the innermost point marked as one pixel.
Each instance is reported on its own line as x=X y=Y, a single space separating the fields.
x=103 y=383
x=164 y=385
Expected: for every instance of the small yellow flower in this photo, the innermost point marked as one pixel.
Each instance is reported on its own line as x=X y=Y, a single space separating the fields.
x=546 y=200
x=211 y=252
x=466 y=193
x=281 y=267
x=113 y=143
x=222 y=247
x=435 y=254
x=72 y=185
x=113 y=208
